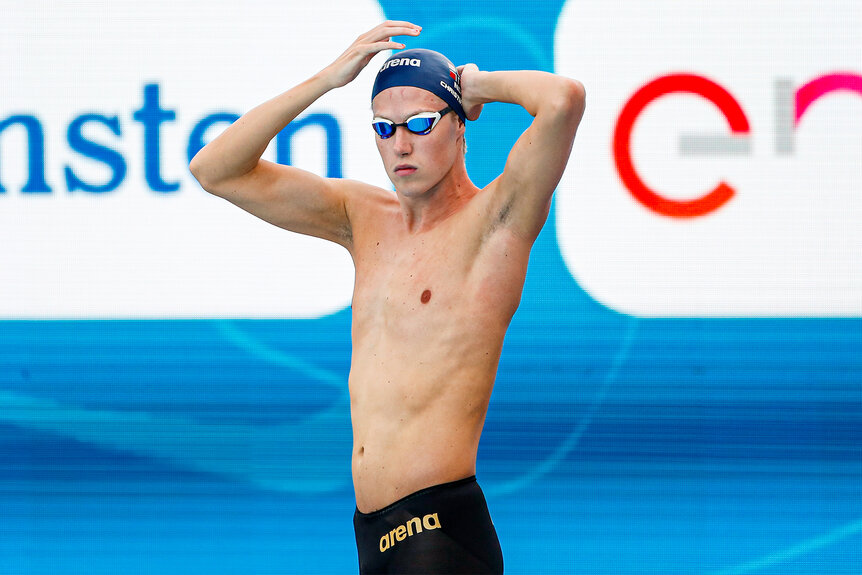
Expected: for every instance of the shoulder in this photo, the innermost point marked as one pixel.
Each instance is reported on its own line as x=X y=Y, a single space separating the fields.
x=361 y=196
x=366 y=203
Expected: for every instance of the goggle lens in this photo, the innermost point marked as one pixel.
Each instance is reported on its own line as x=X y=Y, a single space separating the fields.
x=383 y=129
x=420 y=124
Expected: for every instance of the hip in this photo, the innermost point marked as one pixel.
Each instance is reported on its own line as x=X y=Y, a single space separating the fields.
x=445 y=528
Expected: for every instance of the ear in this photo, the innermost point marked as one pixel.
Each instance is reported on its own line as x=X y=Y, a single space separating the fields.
x=461 y=135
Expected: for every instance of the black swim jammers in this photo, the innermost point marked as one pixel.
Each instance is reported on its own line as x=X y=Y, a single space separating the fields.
x=445 y=529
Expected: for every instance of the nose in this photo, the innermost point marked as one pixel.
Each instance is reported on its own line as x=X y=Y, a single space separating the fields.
x=402 y=141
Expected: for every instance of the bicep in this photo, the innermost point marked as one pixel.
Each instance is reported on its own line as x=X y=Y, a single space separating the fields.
x=537 y=162
x=292 y=199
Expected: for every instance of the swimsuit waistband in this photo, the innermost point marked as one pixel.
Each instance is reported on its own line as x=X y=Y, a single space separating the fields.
x=441 y=486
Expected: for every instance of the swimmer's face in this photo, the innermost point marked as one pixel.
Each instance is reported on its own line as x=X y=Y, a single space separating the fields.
x=416 y=163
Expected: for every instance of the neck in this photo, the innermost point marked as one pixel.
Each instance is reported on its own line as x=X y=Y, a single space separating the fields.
x=448 y=196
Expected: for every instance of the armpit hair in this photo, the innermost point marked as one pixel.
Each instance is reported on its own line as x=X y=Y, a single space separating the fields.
x=503 y=214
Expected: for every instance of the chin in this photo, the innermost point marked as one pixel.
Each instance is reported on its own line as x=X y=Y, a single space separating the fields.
x=411 y=189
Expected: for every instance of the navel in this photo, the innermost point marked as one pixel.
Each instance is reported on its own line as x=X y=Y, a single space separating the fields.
x=426 y=296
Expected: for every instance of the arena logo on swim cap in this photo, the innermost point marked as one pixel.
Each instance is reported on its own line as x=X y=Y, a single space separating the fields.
x=99 y=215
x=718 y=177
x=401 y=62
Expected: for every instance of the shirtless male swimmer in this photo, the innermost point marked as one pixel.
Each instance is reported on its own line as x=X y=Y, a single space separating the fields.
x=440 y=266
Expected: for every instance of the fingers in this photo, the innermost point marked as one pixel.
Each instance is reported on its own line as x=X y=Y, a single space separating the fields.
x=391 y=28
x=389 y=24
x=403 y=23
x=379 y=38
x=380 y=46
x=347 y=66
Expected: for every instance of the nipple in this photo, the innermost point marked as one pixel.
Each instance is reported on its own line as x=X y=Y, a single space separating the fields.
x=426 y=296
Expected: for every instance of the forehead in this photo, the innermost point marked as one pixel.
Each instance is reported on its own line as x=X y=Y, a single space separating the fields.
x=402 y=101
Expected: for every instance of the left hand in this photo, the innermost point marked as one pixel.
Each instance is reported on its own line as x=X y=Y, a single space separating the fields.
x=470 y=100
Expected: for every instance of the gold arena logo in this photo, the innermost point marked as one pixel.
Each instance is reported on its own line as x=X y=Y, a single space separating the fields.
x=402 y=532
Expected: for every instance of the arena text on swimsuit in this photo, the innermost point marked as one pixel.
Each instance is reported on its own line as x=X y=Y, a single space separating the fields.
x=410 y=528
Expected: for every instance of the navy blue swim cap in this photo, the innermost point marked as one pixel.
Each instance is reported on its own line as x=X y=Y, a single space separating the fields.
x=424 y=69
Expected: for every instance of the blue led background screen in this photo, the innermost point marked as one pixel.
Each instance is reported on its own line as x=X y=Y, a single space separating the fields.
x=679 y=392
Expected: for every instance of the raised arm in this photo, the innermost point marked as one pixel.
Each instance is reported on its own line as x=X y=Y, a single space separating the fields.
x=231 y=166
x=537 y=160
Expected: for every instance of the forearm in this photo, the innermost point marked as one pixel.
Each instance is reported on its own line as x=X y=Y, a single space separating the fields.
x=238 y=149
x=535 y=91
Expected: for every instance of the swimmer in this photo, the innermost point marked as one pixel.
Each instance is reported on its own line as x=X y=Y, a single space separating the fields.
x=440 y=266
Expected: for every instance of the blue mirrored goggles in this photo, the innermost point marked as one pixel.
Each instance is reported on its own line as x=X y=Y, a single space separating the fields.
x=420 y=124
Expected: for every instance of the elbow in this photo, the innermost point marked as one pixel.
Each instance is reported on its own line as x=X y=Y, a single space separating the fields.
x=198 y=169
x=580 y=95
x=567 y=104
x=574 y=99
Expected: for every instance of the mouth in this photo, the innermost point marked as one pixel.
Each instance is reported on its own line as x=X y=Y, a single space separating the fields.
x=404 y=169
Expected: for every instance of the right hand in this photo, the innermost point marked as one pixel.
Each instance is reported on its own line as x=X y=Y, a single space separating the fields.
x=346 y=67
x=470 y=81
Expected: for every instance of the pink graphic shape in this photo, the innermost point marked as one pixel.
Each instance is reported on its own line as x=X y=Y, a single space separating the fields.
x=826 y=84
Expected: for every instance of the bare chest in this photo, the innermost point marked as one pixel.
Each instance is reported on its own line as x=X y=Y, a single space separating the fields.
x=443 y=285
x=421 y=279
